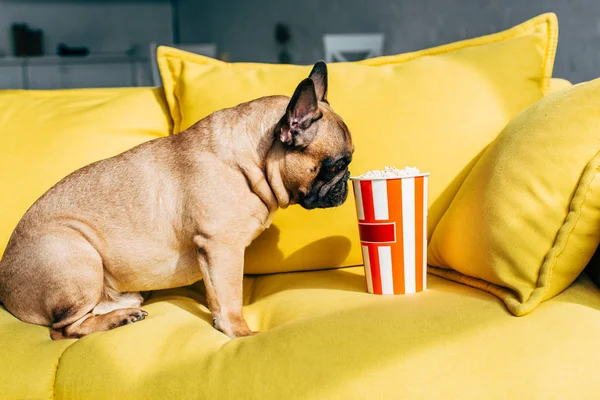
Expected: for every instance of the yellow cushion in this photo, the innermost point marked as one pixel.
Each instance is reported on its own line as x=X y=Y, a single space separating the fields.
x=45 y=135
x=325 y=338
x=28 y=359
x=527 y=219
x=436 y=109
x=557 y=84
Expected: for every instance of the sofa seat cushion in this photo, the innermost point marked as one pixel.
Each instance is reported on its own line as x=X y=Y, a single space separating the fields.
x=28 y=359
x=322 y=337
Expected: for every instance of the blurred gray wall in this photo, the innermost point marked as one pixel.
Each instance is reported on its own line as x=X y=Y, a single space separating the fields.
x=100 y=25
x=244 y=28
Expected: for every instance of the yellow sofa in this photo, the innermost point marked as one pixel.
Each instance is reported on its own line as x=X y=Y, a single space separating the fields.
x=322 y=336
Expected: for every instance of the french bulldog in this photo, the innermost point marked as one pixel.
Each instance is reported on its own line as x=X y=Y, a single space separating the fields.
x=172 y=211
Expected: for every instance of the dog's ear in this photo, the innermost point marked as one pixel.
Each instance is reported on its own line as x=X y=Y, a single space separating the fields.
x=319 y=77
x=301 y=112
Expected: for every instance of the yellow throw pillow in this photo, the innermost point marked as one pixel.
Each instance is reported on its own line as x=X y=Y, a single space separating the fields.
x=557 y=84
x=527 y=219
x=46 y=135
x=436 y=109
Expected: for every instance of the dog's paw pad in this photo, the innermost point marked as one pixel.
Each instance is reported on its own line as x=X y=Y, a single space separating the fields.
x=137 y=315
x=127 y=317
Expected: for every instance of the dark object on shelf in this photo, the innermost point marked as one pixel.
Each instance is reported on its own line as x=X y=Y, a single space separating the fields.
x=26 y=42
x=63 y=50
x=282 y=37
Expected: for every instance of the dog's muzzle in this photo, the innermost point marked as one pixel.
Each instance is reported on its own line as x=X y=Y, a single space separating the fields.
x=329 y=194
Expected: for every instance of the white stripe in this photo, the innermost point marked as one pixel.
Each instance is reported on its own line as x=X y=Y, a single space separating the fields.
x=366 y=260
x=360 y=211
x=385 y=268
x=408 y=227
x=380 y=199
x=425 y=206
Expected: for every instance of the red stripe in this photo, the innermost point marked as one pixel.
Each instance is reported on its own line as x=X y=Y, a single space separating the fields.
x=375 y=273
x=367 y=197
x=377 y=233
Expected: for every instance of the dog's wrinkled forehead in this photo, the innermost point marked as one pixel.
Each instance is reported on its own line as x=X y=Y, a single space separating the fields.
x=333 y=137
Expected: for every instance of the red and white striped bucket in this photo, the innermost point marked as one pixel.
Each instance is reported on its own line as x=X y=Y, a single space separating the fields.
x=392 y=224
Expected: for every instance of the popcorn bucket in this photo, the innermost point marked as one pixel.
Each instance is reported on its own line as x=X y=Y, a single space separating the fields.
x=392 y=225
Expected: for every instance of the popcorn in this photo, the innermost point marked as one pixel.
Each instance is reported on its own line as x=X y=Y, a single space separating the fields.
x=391 y=172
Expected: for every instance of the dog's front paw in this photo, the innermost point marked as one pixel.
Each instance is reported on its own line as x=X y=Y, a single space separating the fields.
x=233 y=327
x=244 y=333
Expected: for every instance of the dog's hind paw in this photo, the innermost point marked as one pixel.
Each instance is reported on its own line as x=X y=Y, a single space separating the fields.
x=126 y=316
